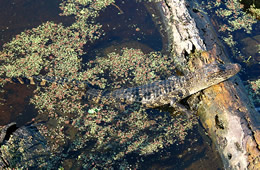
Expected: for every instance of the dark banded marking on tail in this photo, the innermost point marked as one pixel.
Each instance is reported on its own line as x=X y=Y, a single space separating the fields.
x=45 y=81
x=33 y=80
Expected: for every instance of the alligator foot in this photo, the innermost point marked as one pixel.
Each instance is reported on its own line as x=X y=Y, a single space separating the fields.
x=178 y=107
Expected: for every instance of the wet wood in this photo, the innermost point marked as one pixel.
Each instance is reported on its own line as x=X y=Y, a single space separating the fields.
x=224 y=109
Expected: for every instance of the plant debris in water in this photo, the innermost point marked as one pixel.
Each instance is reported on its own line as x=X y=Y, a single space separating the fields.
x=77 y=131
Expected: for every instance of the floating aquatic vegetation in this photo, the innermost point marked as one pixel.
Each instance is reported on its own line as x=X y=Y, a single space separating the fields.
x=254 y=11
x=83 y=9
x=120 y=133
x=96 y=135
x=232 y=17
x=253 y=88
x=132 y=67
x=231 y=12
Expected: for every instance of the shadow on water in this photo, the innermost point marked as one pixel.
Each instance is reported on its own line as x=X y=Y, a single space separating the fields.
x=196 y=152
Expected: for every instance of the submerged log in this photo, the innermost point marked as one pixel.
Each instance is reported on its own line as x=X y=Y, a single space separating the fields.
x=224 y=109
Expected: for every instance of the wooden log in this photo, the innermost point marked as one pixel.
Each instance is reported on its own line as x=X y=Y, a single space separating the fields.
x=224 y=109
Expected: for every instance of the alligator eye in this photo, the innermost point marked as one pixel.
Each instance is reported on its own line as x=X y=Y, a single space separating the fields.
x=180 y=94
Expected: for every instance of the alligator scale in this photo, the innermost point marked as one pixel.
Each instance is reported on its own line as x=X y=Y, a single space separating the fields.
x=158 y=93
x=171 y=90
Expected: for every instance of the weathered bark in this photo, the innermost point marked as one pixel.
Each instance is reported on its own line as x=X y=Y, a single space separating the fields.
x=224 y=109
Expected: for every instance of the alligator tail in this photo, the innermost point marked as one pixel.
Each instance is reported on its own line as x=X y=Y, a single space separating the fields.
x=44 y=81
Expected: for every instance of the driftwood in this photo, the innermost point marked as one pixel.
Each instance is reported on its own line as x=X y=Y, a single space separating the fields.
x=224 y=109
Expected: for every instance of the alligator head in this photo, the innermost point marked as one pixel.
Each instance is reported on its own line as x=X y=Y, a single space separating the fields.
x=210 y=75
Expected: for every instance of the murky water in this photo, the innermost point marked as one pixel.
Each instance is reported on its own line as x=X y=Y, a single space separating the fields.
x=125 y=24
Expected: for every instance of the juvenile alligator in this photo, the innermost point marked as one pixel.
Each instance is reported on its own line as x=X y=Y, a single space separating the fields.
x=162 y=92
x=171 y=90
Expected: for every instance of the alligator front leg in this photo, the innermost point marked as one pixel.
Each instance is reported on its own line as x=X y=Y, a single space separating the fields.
x=178 y=107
